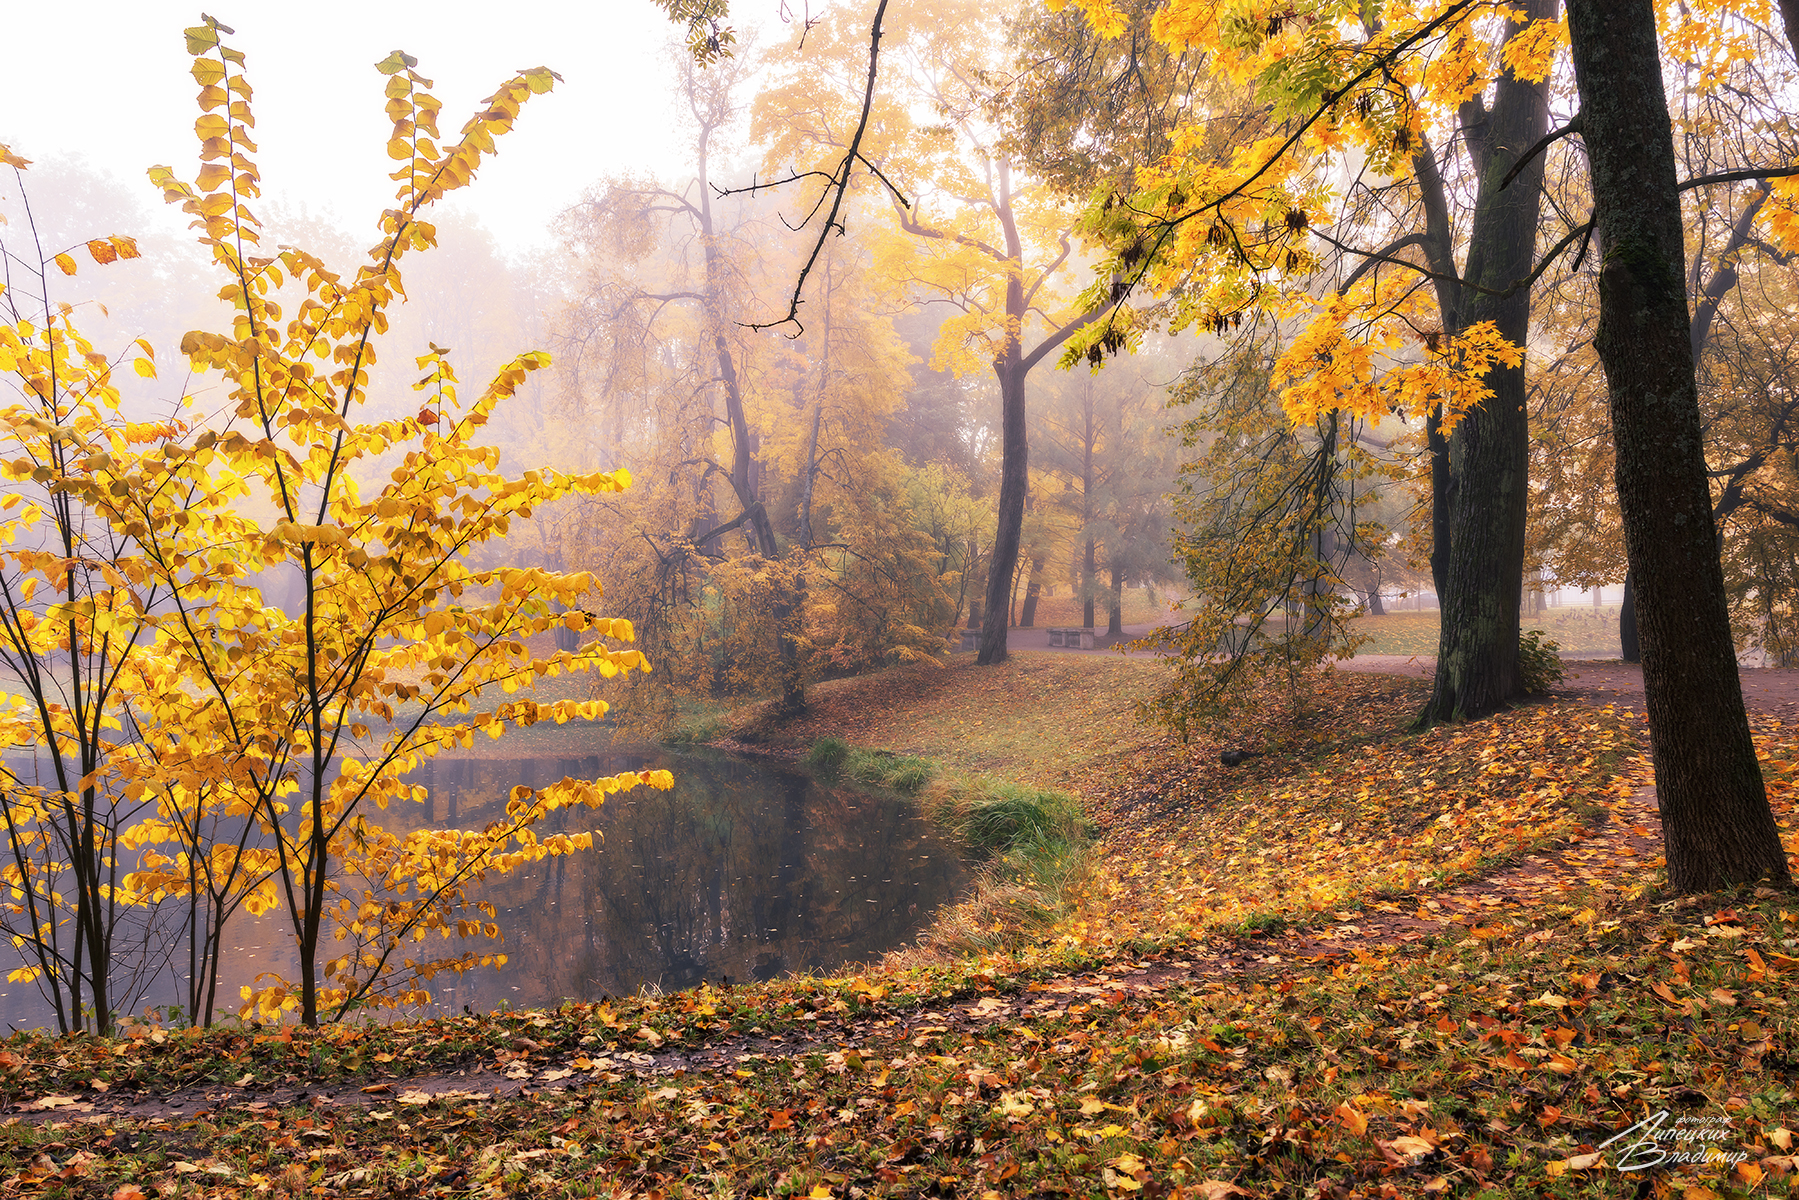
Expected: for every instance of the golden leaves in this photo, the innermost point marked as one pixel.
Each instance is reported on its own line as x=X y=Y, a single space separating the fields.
x=1103 y=15
x=222 y=690
x=1531 y=53
x=1359 y=354
x=396 y=62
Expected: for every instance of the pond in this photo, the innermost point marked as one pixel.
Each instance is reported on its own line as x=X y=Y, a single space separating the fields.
x=744 y=869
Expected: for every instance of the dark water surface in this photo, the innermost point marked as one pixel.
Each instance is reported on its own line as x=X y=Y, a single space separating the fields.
x=744 y=870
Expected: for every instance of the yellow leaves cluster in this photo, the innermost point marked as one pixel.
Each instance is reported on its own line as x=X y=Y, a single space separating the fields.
x=1711 y=36
x=1221 y=230
x=1532 y=53
x=1103 y=15
x=1782 y=213
x=1343 y=360
x=289 y=715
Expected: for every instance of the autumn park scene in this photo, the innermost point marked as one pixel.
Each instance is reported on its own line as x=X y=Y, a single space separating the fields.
x=1095 y=598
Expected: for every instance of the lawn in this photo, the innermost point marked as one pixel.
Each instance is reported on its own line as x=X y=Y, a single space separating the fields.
x=1575 y=629
x=1035 y=718
x=1140 y=607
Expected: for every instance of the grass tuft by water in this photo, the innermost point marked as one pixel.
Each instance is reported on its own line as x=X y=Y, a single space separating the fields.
x=832 y=757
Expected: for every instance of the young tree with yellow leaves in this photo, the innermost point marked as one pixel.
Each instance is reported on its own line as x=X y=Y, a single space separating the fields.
x=289 y=725
x=73 y=645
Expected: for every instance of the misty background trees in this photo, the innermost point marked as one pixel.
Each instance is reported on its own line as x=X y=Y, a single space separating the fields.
x=1276 y=320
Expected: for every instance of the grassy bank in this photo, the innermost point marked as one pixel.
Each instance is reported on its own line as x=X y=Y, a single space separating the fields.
x=1036 y=718
x=1316 y=974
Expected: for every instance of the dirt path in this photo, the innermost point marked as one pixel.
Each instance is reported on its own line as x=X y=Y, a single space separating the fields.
x=1770 y=690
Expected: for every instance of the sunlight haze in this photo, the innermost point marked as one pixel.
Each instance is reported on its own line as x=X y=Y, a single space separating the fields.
x=109 y=82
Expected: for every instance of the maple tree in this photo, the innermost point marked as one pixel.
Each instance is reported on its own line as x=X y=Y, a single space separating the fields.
x=1423 y=321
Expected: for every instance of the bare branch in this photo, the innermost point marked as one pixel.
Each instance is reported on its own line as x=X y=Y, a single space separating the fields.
x=1543 y=143
x=1738 y=176
x=840 y=182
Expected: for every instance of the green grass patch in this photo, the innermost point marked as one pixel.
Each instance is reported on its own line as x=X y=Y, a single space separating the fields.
x=995 y=818
x=1035 y=718
x=833 y=757
x=1575 y=629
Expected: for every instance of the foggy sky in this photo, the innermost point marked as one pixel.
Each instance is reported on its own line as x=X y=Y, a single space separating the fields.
x=108 y=80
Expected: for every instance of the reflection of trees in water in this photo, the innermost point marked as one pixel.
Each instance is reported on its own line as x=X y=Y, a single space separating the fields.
x=739 y=871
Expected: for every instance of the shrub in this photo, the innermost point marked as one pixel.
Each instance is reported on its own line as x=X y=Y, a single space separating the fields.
x=1538 y=662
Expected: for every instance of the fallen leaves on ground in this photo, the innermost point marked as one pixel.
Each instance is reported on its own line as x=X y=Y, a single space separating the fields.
x=1141 y=1051
x=1297 y=835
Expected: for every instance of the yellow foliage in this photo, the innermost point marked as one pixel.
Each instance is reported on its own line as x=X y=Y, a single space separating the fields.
x=272 y=601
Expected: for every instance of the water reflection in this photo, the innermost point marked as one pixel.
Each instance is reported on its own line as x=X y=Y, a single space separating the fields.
x=743 y=870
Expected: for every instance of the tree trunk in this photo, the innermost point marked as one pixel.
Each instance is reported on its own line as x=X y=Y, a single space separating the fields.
x=1441 y=490
x=1088 y=582
x=1482 y=583
x=1630 y=649
x=1027 y=616
x=1014 y=482
x=1375 y=607
x=1115 y=617
x=1716 y=823
x=1011 y=367
x=1089 y=572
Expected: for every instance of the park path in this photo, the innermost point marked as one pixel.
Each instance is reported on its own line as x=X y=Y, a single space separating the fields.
x=1771 y=690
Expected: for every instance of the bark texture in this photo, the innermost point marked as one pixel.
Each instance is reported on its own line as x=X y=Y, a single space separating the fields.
x=1630 y=645
x=1715 y=816
x=1482 y=578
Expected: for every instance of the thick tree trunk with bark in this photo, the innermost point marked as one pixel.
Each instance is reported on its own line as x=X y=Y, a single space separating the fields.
x=1715 y=817
x=1483 y=575
x=1630 y=645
